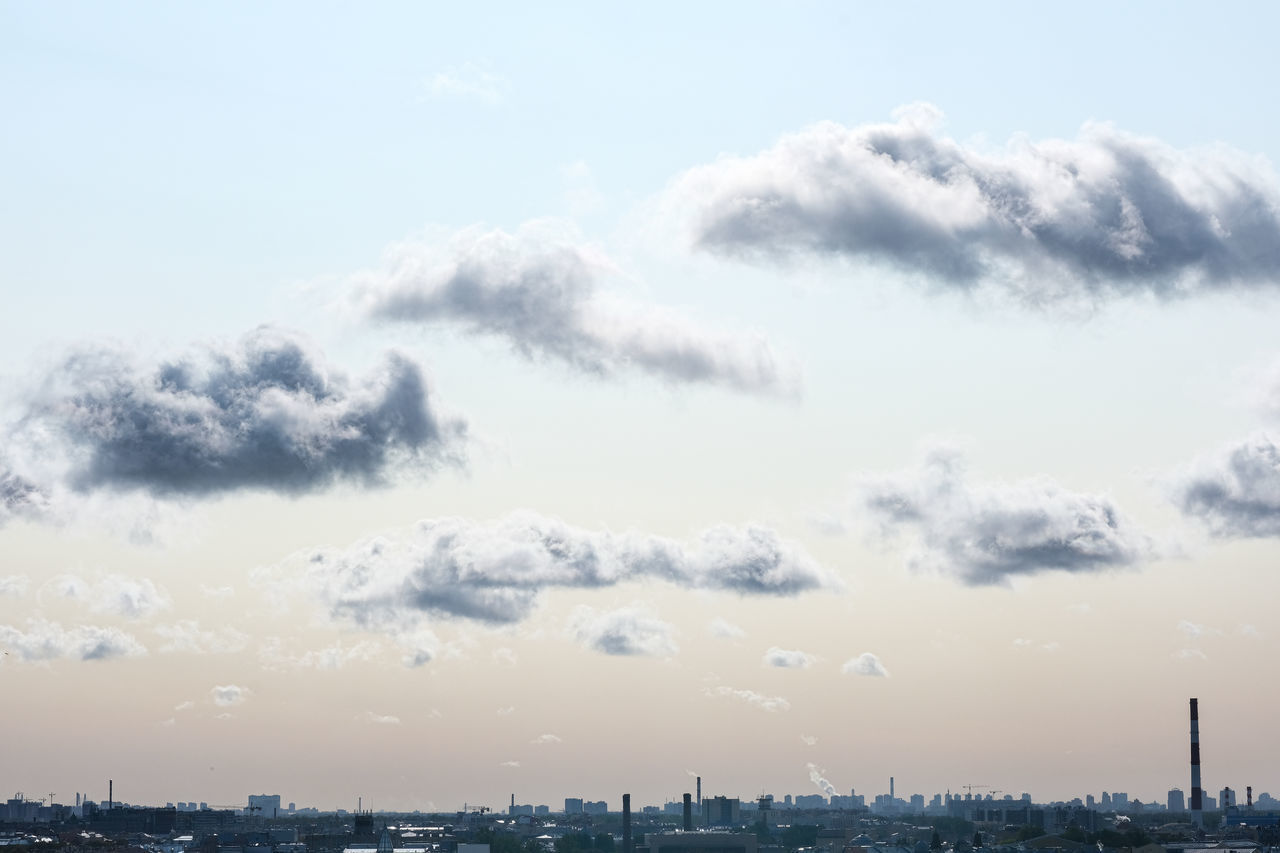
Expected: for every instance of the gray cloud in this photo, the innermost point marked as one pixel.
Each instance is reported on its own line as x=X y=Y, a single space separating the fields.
x=543 y=293
x=1106 y=214
x=132 y=598
x=987 y=534
x=787 y=658
x=267 y=413
x=226 y=695
x=44 y=641
x=1235 y=491
x=632 y=630
x=494 y=572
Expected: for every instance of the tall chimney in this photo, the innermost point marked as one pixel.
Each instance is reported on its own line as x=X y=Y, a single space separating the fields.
x=111 y=794
x=1248 y=797
x=1197 y=813
x=699 y=795
x=688 y=813
x=626 y=823
x=890 y=790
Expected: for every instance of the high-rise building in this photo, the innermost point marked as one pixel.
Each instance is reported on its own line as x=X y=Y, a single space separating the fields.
x=573 y=805
x=1176 y=802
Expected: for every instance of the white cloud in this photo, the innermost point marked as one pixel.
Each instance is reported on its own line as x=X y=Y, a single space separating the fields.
x=771 y=704
x=543 y=291
x=787 y=658
x=633 y=630
x=1195 y=631
x=45 y=641
x=507 y=711
x=540 y=739
x=987 y=534
x=1047 y=223
x=117 y=595
x=1190 y=655
x=273 y=654
x=14 y=586
x=187 y=636
x=865 y=664
x=184 y=706
x=467 y=81
x=509 y=764
x=1248 y=630
x=725 y=630
x=378 y=719
x=808 y=740
x=217 y=591
x=225 y=696
x=1234 y=491
x=505 y=655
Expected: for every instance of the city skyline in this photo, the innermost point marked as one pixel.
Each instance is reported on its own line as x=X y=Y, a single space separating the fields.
x=427 y=404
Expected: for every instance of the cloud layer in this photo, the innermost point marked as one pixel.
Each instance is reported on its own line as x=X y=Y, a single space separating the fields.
x=541 y=291
x=265 y=413
x=987 y=534
x=1108 y=213
x=493 y=572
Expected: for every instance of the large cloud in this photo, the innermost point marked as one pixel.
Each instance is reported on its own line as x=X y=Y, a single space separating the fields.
x=493 y=572
x=541 y=291
x=44 y=641
x=1235 y=491
x=266 y=413
x=132 y=598
x=987 y=534
x=1108 y=213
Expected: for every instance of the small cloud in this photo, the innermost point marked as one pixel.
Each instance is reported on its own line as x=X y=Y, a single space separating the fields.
x=787 y=658
x=808 y=740
x=1249 y=631
x=750 y=697
x=187 y=636
x=169 y=723
x=509 y=764
x=217 y=591
x=14 y=586
x=505 y=655
x=725 y=630
x=226 y=715
x=132 y=598
x=225 y=696
x=45 y=641
x=1083 y=608
x=467 y=82
x=507 y=711
x=632 y=630
x=1021 y=642
x=378 y=719
x=1051 y=646
x=546 y=739
x=1196 y=631
x=865 y=664
x=1190 y=654
x=184 y=706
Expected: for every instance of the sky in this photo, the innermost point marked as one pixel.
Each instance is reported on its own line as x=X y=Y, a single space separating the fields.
x=433 y=403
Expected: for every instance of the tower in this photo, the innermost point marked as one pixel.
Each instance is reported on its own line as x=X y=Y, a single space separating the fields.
x=1197 y=815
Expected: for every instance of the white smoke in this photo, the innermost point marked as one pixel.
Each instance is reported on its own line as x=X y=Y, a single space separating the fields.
x=816 y=777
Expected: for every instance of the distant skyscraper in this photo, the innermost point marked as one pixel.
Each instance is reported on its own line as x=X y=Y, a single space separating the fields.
x=1176 y=802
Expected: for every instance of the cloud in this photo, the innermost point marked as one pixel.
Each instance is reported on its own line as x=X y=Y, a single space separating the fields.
x=787 y=658
x=1190 y=654
x=507 y=711
x=771 y=704
x=816 y=777
x=808 y=740
x=184 y=706
x=225 y=696
x=187 y=636
x=632 y=630
x=467 y=82
x=542 y=292
x=132 y=598
x=1235 y=491
x=19 y=497
x=266 y=413
x=378 y=719
x=509 y=764
x=546 y=739
x=273 y=655
x=1107 y=214
x=44 y=641
x=14 y=585
x=505 y=655
x=724 y=629
x=987 y=534
x=217 y=591
x=1248 y=630
x=493 y=572
x=1195 y=631
x=865 y=664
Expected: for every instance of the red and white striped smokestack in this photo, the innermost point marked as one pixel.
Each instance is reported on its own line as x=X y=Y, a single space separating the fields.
x=1197 y=815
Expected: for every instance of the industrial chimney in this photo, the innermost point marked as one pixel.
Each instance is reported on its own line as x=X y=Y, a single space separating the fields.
x=688 y=813
x=699 y=795
x=111 y=794
x=626 y=823
x=1197 y=813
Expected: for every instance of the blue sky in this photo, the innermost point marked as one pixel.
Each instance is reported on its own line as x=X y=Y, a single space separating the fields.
x=176 y=177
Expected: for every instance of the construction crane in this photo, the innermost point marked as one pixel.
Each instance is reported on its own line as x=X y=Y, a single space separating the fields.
x=997 y=791
x=970 y=788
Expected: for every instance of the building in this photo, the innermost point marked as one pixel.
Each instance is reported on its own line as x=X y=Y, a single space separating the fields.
x=263 y=805
x=1176 y=802
x=573 y=805
x=721 y=811
x=699 y=842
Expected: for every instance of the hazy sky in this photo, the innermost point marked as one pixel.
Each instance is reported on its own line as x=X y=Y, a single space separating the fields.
x=431 y=403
